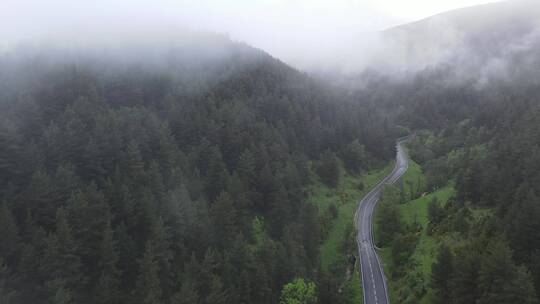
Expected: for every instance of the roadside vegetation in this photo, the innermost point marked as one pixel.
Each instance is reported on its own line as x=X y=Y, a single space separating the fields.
x=173 y=179
x=337 y=206
x=437 y=247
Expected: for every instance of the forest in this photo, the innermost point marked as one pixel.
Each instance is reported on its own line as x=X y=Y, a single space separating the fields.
x=170 y=183
x=196 y=169
x=482 y=144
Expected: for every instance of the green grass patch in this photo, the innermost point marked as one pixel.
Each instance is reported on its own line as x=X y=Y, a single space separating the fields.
x=416 y=211
x=413 y=182
x=353 y=288
x=385 y=256
x=346 y=197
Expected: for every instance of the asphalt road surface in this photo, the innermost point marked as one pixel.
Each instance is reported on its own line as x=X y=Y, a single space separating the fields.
x=373 y=281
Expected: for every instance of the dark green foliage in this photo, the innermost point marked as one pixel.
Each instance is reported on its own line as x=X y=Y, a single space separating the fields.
x=501 y=281
x=403 y=245
x=355 y=157
x=440 y=274
x=148 y=286
x=483 y=268
x=7 y=293
x=389 y=222
x=9 y=238
x=328 y=169
x=464 y=278
x=108 y=286
x=187 y=294
x=140 y=181
x=524 y=227
x=61 y=266
x=59 y=293
x=435 y=212
x=225 y=220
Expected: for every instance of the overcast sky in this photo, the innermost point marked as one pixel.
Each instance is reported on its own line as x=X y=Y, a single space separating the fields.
x=292 y=30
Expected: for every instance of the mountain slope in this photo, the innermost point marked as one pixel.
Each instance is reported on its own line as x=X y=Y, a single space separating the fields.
x=168 y=172
x=480 y=42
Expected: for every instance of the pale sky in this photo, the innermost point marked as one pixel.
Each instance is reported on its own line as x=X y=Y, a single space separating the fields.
x=289 y=29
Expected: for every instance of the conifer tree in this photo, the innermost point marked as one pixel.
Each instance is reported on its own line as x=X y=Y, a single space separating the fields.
x=225 y=219
x=7 y=294
x=9 y=236
x=61 y=265
x=59 y=293
x=148 y=287
x=501 y=281
x=216 y=180
x=328 y=169
x=108 y=287
x=217 y=294
x=134 y=163
x=186 y=295
x=441 y=272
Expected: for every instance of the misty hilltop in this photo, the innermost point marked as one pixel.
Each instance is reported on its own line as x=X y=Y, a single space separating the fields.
x=158 y=172
x=143 y=162
x=491 y=41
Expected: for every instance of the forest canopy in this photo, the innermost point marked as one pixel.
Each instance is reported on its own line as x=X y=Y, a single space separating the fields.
x=176 y=178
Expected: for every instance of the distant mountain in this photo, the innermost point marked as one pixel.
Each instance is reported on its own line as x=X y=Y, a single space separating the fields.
x=498 y=38
x=489 y=27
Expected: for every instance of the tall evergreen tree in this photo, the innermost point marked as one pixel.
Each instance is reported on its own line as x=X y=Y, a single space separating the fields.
x=464 y=278
x=7 y=294
x=186 y=295
x=225 y=220
x=217 y=174
x=9 y=238
x=501 y=281
x=61 y=265
x=355 y=157
x=108 y=286
x=59 y=293
x=329 y=169
x=441 y=272
x=217 y=293
x=148 y=286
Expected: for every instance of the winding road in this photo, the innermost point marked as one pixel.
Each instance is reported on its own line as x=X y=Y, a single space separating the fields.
x=373 y=281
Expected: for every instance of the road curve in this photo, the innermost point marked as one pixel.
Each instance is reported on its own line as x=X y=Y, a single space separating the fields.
x=373 y=281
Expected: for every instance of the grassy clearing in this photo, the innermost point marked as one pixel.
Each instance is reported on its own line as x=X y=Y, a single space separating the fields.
x=353 y=288
x=346 y=197
x=416 y=211
x=413 y=181
x=385 y=256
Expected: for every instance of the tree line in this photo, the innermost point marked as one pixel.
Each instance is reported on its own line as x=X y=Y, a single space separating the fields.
x=158 y=185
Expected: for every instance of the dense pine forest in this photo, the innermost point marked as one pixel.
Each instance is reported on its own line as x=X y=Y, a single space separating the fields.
x=481 y=141
x=171 y=178
x=190 y=168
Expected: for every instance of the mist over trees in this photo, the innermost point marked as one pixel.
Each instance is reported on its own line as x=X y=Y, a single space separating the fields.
x=485 y=139
x=169 y=179
x=174 y=169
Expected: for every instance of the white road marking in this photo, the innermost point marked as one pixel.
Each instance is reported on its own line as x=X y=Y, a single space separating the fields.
x=365 y=236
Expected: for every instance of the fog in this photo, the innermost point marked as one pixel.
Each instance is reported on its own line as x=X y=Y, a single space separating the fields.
x=308 y=34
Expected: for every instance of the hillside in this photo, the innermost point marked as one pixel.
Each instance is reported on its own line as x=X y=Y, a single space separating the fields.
x=169 y=173
x=471 y=94
x=492 y=41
